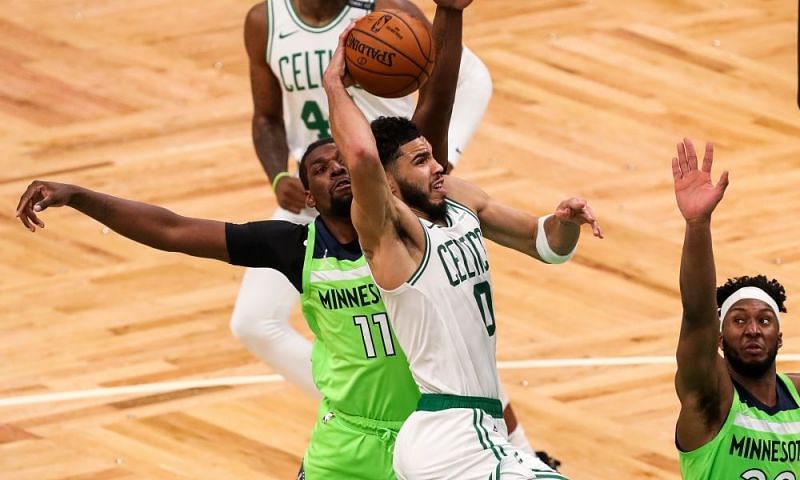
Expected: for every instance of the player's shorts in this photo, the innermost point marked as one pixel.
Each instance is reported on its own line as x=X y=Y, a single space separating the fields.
x=464 y=438
x=345 y=447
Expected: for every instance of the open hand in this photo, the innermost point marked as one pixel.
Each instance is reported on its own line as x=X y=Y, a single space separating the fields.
x=697 y=197
x=337 y=73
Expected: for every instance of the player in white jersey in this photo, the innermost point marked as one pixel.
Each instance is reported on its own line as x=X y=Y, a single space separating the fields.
x=422 y=234
x=289 y=43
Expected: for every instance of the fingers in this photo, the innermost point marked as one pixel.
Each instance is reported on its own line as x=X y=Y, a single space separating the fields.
x=691 y=155
x=723 y=181
x=676 y=169
x=683 y=164
x=708 y=157
x=26 y=207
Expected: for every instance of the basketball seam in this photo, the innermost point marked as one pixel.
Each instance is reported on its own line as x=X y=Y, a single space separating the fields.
x=396 y=50
x=417 y=39
x=394 y=92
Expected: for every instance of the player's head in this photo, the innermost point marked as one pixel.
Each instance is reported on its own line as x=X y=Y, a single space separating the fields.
x=750 y=333
x=413 y=174
x=325 y=179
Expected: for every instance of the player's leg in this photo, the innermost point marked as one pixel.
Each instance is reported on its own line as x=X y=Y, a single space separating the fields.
x=516 y=433
x=260 y=320
x=349 y=448
x=472 y=98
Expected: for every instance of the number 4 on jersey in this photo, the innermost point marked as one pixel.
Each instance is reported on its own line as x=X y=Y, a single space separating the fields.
x=314 y=119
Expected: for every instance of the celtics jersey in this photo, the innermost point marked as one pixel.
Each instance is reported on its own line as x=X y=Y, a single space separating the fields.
x=751 y=445
x=356 y=361
x=298 y=54
x=443 y=314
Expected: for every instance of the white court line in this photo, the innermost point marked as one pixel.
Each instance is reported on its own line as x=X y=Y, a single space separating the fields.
x=258 y=379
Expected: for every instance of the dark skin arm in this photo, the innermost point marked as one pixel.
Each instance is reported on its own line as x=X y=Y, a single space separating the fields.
x=702 y=381
x=147 y=224
x=269 y=131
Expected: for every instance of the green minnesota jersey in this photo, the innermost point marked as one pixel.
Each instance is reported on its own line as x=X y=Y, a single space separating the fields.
x=357 y=363
x=751 y=445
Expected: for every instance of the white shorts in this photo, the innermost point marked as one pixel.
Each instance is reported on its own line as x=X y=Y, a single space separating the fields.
x=463 y=444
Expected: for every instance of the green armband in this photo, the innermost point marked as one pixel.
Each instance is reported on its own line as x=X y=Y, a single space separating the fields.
x=278 y=178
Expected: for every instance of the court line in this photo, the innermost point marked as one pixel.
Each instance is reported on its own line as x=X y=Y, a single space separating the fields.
x=260 y=379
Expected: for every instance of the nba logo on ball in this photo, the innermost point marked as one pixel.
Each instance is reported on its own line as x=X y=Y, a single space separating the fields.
x=389 y=53
x=376 y=27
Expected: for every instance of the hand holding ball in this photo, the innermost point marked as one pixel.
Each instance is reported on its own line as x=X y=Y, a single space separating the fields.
x=389 y=53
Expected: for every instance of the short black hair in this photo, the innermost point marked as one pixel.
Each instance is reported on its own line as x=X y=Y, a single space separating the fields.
x=773 y=288
x=302 y=167
x=390 y=134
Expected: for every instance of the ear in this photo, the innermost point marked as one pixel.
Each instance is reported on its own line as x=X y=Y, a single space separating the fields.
x=395 y=189
x=311 y=202
x=719 y=340
x=780 y=339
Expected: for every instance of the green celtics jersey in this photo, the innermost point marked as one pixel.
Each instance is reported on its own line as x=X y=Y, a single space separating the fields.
x=357 y=363
x=751 y=445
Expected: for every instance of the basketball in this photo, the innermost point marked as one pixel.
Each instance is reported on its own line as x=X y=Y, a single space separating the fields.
x=389 y=53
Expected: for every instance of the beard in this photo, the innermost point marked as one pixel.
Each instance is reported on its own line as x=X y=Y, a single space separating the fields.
x=416 y=198
x=340 y=206
x=749 y=369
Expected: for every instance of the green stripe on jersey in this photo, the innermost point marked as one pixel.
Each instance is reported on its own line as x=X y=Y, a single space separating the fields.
x=425 y=256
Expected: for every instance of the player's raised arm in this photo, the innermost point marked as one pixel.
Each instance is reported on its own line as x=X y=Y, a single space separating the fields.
x=702 y=382
x=373 y=211
x=435 y=105
x=269 y=131
x=147 y=224
x=521 y=231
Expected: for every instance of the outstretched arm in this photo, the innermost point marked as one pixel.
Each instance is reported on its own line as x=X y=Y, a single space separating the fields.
x=519 y=230
x=148 y=224
x=702 y=382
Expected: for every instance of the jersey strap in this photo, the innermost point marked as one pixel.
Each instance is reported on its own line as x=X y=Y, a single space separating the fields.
x=368 y=5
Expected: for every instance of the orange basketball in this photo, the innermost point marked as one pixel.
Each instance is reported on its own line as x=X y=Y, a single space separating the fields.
x=389 y=53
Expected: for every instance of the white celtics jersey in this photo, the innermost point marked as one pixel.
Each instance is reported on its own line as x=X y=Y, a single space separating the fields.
x=298 y=54
x=442 y=316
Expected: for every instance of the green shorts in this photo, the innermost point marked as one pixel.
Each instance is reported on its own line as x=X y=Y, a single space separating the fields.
x=349 y=448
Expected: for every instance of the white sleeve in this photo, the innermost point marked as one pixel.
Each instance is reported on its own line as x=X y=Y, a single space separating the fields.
x=472 y=98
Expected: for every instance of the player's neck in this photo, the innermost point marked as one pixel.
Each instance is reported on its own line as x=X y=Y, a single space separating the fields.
x=763 y=387
x=342 y=229
x=318 y=12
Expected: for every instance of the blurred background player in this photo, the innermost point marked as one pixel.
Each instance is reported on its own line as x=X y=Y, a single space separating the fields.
x=289 y=44
x=739 y=418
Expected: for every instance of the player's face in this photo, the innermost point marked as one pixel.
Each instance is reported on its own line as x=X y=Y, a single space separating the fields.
x=750 y=337
x=420 y=179
x=328 y=182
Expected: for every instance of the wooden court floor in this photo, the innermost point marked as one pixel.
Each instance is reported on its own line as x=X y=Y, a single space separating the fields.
x=149 y=99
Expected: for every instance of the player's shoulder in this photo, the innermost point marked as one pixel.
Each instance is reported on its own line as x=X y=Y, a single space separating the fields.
x=465 y=194
x=256 y=18
x=795 y=378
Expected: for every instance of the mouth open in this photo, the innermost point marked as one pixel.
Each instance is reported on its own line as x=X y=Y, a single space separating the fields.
x=438 y=185
x=341 y=185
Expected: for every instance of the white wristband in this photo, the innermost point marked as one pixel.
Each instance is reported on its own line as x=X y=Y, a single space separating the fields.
x=543 y=248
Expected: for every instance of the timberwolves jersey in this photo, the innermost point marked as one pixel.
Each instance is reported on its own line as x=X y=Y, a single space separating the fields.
x=752 y=444
x=298 y=54
x=356 y=363
x=442 y=316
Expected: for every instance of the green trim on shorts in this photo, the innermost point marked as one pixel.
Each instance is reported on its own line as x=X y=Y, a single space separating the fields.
x=434 y=402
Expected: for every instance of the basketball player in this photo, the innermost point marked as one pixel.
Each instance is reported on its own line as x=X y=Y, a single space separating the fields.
x=289 y=44
x=739 y=419
x=361 y=411
x=422 y=235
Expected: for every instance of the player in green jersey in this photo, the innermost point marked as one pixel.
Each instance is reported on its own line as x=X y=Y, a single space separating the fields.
x=739 y=418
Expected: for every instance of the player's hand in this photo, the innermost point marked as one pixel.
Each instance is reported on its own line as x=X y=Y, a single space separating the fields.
x=577 y=211
x=697 y=197
x=40 y=195
x=336 y=74
x=290 y=194
x=454 y=4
